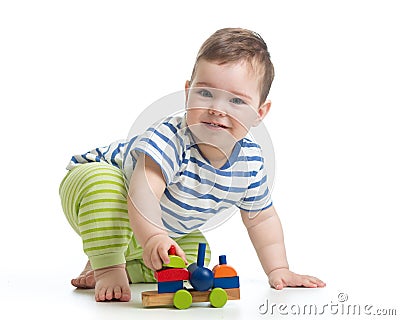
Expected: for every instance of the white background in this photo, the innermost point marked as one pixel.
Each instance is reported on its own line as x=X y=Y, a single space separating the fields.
x=75 y=74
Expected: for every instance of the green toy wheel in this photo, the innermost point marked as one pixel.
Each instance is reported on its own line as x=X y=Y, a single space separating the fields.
x=182 y=299
x=218 y=297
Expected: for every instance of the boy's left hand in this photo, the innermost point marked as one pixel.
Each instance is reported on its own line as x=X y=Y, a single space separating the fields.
x=283 y=277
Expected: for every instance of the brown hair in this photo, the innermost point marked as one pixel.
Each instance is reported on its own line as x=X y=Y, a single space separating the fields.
x=236 y=44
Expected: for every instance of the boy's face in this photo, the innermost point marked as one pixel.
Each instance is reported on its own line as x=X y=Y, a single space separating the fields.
x=223 y=103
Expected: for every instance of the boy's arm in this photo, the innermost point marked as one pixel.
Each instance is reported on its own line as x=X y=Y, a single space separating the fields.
x=146 y=187
x=265 y=231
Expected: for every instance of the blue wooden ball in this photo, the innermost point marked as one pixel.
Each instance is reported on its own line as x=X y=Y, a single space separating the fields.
x=202 y=279
x=192 y=267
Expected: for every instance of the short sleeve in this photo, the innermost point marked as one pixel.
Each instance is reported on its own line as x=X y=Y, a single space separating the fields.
x=164 y=144
x=111 y=154
x=257 y=196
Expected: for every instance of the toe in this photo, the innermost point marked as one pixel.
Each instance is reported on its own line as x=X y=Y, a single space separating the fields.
x=126 y=294
x=101 y=296
x=110 y=293
x=78 y=282
x=117 y=293
x=82 y=282
x=90 y=281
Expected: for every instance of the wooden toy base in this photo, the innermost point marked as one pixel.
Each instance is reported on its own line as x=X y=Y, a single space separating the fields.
x=155 y=299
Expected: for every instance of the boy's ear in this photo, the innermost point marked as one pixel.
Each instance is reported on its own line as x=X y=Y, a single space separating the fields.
x=262 y=112
x=187 y=86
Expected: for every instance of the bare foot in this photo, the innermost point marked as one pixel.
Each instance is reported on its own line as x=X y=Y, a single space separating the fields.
x=86 y=279
x=112 y=283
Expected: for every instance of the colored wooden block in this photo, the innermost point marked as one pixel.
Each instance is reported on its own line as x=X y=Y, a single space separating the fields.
x=170 y=286
x=222 y=270
x=201 y=278
x=172 y=251
x=226 y=283
x=154 y=299
x=175 y=262
x=182 y=299
x=171 y=275
x=218 y=297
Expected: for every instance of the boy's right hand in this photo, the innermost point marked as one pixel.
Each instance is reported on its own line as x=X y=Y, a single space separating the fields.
x=155 y=251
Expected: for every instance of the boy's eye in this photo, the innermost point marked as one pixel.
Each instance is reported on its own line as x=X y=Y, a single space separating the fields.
x=237 y=101
x=205 y=93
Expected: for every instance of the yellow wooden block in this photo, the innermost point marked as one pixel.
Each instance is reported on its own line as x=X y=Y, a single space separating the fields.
x=175 y=262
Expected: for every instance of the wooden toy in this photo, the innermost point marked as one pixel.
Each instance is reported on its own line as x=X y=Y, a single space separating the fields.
x=175 y=261
x=169 y=286
x=154 y=299
x=201 y=278
x=225 y=276
x=171 y=275
x=216 y=286
x=227 y=283
x=222 y=270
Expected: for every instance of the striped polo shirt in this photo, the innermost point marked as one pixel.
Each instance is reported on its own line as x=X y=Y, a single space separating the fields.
x=195 y=191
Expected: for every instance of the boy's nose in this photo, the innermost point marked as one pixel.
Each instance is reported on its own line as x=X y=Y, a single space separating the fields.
x=217 y=111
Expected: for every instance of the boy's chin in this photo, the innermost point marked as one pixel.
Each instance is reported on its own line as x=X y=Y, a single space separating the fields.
x=219 y=139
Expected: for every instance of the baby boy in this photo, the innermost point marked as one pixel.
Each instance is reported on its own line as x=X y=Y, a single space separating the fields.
x=132 y=200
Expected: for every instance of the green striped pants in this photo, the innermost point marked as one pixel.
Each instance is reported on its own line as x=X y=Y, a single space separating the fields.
x=93 y=198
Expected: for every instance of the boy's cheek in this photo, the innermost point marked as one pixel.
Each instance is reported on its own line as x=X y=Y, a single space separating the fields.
x=245 y=118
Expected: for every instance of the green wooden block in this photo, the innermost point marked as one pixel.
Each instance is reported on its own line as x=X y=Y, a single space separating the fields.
x=182 y=299
x=175 y=262
x=218 y=297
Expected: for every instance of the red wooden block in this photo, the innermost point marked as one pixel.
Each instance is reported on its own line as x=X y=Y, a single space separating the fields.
x=172 y=251
x=174 y=274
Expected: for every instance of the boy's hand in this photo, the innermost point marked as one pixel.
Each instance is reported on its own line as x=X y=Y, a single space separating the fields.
x=155 y=251
x=283 y=277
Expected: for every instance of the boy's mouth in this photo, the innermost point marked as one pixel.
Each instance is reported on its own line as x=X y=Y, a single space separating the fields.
x=215 y=125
